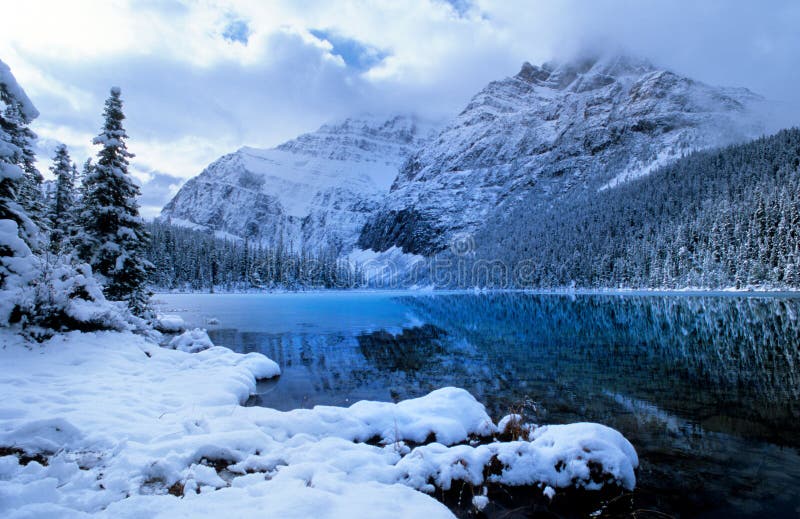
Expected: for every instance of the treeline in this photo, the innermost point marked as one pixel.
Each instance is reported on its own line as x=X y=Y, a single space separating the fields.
x=713 y=219
x=188 y=259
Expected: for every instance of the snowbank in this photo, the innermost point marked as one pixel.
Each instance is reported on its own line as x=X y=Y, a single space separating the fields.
x=191 y=341
x=169 y=323
x=109 y=425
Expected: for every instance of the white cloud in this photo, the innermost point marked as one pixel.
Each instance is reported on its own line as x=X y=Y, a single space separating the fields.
x=192 y=93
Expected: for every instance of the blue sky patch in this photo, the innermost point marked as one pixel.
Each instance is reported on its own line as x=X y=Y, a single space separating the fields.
x=354 y=53
x=237 y=31
x=459 y=6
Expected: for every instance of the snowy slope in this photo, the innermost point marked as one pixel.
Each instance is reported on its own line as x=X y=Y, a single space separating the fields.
x=587 y=124
x=110 y=425
x=314 y=191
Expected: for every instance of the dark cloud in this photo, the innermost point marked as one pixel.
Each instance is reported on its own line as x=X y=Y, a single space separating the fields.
x=157 y=189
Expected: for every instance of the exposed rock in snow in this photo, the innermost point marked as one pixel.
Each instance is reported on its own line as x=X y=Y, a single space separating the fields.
x=550 y=130
x=561 y=456
x=315 y=191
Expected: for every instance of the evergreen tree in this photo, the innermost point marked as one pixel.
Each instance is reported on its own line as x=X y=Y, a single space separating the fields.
x=30 y=195
x=113 y=236
x=17 y=232
x=86 y=172
x=61 y=210
x=16 y=156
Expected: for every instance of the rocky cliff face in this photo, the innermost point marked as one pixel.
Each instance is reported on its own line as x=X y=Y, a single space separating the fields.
x=314 y=192
x=585 y=125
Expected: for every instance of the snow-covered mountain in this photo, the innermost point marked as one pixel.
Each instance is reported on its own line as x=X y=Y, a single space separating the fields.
x=313 y=192
x=548 y=131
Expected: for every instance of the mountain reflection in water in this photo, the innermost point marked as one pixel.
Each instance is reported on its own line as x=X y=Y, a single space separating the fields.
x=706 y=388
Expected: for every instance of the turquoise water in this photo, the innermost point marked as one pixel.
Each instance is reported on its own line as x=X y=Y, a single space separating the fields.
x=707 y=388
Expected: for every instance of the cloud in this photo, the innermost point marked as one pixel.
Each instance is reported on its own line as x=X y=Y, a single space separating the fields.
x=200 y=79
x=157 y=189
x=354 y=53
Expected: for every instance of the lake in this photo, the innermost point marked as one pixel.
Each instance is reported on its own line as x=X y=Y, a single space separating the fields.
x=706 y=387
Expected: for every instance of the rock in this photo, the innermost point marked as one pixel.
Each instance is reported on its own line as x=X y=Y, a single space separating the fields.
x=169 y=324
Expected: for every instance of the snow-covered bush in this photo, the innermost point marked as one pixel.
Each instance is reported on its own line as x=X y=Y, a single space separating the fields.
x=17 y=267
x=192 y=341
x=55 y=295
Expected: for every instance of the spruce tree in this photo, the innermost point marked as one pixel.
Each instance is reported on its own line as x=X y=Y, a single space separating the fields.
x=30 y=195
x=113 y=237
x=17 y=232
x=86 y=172
x=61 y=210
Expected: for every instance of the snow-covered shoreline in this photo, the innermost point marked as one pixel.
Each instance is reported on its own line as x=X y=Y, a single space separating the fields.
x=688 y=291
x=118 y=426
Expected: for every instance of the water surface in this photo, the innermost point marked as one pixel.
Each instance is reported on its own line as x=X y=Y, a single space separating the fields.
x=707 y=388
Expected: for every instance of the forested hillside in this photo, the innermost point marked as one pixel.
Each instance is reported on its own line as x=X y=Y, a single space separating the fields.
x=544 y=134
x=187 y=259
x=713 y=219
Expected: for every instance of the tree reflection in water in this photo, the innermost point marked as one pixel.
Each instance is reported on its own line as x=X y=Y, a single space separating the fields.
x=707 y=388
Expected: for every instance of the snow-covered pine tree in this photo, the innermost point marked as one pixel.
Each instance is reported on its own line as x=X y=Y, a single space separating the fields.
x=18 y=234
x=112 y=237
x=39 y=294
x=30 y=195
x=80 y=183
x=61 y=210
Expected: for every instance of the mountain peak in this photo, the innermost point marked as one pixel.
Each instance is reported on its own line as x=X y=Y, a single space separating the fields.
x=552 y=130
x=313 y=192
x=587 y=68
x=532 y=73
x=365 y=137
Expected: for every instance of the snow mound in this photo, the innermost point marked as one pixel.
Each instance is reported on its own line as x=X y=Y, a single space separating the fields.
x=582 y=454
x=125 y=429
x=170 y=323
x=191 y=341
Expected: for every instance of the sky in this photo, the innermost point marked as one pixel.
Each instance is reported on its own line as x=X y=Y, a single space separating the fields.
x=203 y=78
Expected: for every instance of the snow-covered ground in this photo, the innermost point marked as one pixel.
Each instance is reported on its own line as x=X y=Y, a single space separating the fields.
x=110 y=424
